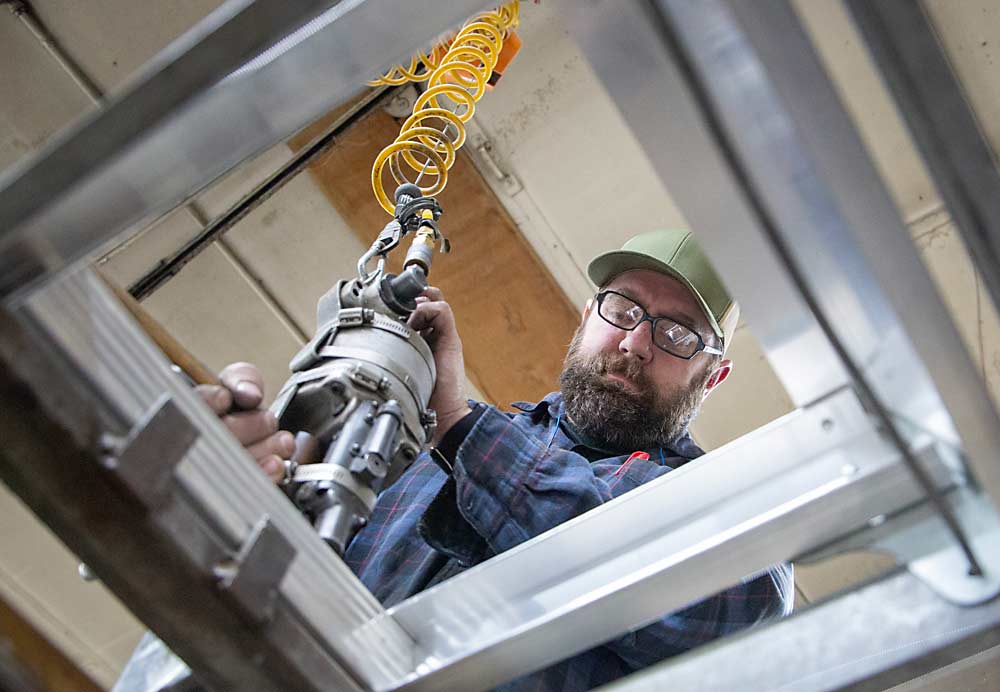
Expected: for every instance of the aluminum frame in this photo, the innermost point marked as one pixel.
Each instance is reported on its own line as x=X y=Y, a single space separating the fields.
x=99 y=356
x=869 y=640
x=917 y=363
x=609 y=577
x=228 y=38
x=913 y=65
x=829 y=455
x=822 y=473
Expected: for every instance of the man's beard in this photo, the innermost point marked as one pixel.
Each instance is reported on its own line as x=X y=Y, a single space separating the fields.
x=612 y=414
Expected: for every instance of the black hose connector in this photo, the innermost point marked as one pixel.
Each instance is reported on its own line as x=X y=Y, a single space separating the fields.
x=408 y=190
x=398 y=292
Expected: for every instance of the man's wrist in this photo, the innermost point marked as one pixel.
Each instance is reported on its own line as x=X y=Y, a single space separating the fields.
x=444 y=451
x=446 y=422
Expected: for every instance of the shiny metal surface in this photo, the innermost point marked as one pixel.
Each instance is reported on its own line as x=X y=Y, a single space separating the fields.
x=177 y=135
x=901 y=38
x=798 y=181
x=113 y=358
x=802 y=481
x=914 y=359
x=872 y=639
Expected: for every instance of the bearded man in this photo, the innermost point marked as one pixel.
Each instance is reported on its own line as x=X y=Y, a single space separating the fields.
x=649 y=349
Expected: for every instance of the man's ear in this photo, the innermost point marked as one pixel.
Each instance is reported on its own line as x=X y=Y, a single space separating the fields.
x=586 y=310
x=719 y=376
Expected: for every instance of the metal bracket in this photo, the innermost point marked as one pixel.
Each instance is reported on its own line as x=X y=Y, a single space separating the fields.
x=919 y=539
x=367 y=379
x=941 y=572
x=486 y=156
x=400 y=105
x=346 y=318
x=946 y=571
x=945 y=568
x=144 y=462
x=350 y=317
x=251 y=578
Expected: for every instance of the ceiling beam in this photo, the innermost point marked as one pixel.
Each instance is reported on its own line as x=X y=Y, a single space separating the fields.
x=316 y=139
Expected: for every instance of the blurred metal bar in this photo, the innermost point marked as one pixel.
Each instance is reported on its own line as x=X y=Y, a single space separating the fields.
x=232 y=35
x=697 y=168
x=960 y=160
x=823 y=473
x=23 y=11
x=195 y=113
x=838 y=220
x=869 y=640
x=798 y=178
x=83 y=378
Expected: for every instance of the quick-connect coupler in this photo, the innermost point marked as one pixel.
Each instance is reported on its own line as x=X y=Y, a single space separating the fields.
x=418 y=215
x=421 y=252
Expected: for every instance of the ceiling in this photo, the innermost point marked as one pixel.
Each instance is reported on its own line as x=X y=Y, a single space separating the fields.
x=581 y=186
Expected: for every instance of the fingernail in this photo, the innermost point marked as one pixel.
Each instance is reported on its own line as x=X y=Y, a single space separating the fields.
x=272 y=466
x=248 y=389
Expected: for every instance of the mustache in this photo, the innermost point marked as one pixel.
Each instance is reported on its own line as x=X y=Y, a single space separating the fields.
x=619 y=364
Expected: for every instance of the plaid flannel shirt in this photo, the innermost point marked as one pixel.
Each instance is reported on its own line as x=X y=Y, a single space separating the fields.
x=515 y=476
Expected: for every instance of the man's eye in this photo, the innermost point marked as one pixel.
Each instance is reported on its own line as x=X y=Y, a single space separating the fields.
x=678 y=335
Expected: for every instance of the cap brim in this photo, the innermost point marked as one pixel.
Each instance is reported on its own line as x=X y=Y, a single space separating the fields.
x=609 y=265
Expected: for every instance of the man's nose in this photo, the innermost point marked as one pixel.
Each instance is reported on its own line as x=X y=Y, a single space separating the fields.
x=638 y=343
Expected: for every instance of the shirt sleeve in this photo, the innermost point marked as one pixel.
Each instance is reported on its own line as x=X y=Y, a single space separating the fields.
x=512 y=487
x=764 y=597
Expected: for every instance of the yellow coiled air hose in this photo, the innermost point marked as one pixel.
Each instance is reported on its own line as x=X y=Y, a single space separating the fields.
x=429 y=139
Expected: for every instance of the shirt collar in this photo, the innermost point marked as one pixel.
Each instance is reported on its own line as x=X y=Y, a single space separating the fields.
x=551 y=408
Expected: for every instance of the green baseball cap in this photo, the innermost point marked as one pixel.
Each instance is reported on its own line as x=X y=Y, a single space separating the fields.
x=677 y=254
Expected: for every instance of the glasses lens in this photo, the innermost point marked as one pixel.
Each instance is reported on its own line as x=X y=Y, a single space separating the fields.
x=675 y=338
x=620 y=311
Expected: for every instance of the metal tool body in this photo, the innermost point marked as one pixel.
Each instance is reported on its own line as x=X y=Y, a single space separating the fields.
x=358 y=397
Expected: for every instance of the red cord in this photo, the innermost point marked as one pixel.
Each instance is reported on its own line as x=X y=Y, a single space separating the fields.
x=634 y=455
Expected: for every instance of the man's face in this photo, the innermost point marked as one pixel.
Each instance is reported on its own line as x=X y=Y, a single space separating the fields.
x=619 y=388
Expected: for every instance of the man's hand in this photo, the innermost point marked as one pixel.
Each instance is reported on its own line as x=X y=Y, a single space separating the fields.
x=237 y=402
x=435 y=321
